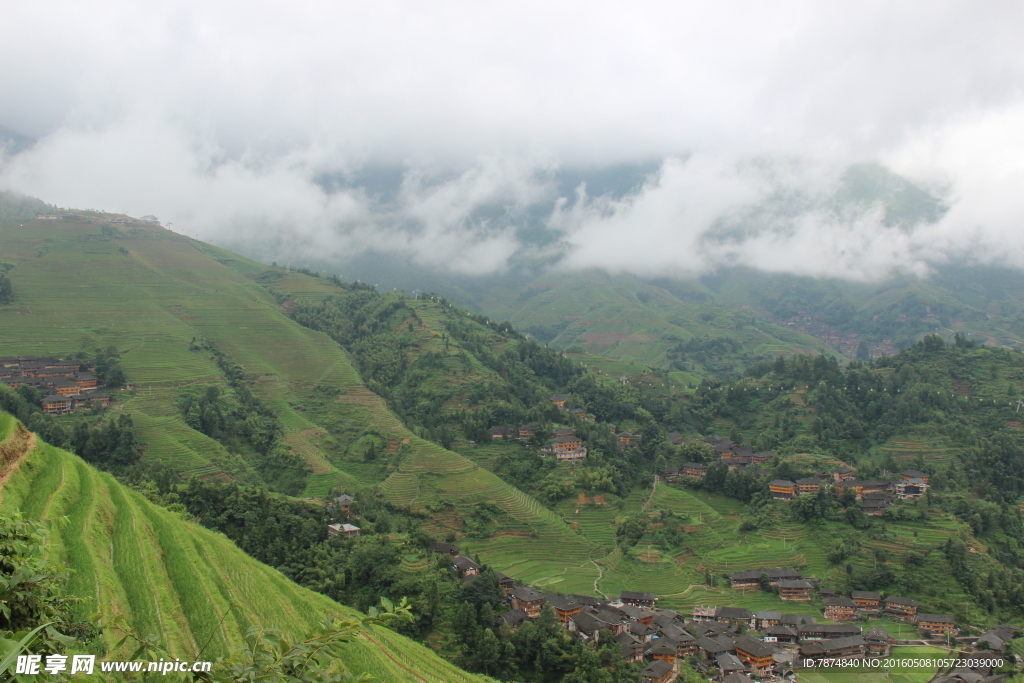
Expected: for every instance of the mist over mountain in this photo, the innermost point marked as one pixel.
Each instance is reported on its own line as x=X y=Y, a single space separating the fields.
x=853 y=141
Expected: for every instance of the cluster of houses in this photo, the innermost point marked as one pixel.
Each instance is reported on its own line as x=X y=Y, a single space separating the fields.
x=68 y=387
x=874 y=495
x=733 y=644
x=565 y=444
x=729 y=453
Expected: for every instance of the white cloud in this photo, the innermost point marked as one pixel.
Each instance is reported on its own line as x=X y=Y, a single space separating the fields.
x=221 y=117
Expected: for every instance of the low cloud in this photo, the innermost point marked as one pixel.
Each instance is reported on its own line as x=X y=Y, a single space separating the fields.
x=262 y=131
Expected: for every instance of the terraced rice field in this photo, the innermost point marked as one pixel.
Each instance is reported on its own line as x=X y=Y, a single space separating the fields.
x=187 y=586
x=923 y=443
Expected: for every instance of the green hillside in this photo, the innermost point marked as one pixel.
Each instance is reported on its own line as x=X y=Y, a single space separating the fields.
x=620 y=317
x=188 y=586
x=88 y=283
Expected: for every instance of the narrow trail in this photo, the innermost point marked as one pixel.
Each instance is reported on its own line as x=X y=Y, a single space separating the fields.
x=600 y=575
x=13 y=452
x=651 y=497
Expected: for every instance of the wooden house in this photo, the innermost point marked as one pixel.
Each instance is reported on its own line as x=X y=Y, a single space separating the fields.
x=624 y=439
x=762 y=457
x=64 y=387
x=909 y=489
x=850 y=646
x=937 y=623
x=767 y=618
x=564 y=607
x=526 y=431
x=57 y=405
x=514 y=618
x=840 y=609
x=878 y=642
x=585 y=625
x=658 y=671
x=694 y=470
x=794 y=589
x=559 y=399
x=499 y=432
x=733 y=615
x=902 y=609
x=528 y=599
x=664 y=650
x=914 y=474
x=86 y=380
x=506 y=582
x=445 y=548
x=465 y=566
x=645 y=600
x=869 y=600
x=782 y=489
x=343 y=502
x=805 y=486
x=828 y=631
x=842 y=473
x=757 y=655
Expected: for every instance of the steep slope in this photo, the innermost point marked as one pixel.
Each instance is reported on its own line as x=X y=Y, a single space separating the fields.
x=190 y=587
x=148 y=291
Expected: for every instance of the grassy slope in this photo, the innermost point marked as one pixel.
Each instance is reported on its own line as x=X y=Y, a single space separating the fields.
x=188 y=586
x=605 y=314
x=73 y=287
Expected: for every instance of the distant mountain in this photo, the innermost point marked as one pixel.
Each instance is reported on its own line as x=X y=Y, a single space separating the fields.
x=12 y=142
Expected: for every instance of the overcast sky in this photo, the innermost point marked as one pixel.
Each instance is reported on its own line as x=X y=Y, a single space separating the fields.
x=221 y=117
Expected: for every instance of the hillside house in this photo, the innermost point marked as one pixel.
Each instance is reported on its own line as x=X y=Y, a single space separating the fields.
x=658 y=671
x=499 y=432
x=767 y=618
x=514 y=618
x=729 y=664
x=878 y=642
x=645 y=600
x=751 y=578
x=805 y=486
x=57 y=405
x=842 y=473
x=624 y=438
x=528 y=599
x=909 y=489
x=567 y=442
x=664 y=650
x=526 y=431
x=810 y=632
x=559 y=399
x=464 y=566
x=757 y=655
x=631 y=649
x=937 y=623
x=781 y=634
x=849 y=485
x=672 y=473
x=86 y=380
x=675 y=438
x=902 y=609
x=343 y=502
x=824 y=592
x=782 y=489
x=733 y=615
x=638 y=614
x=850 y=646
x=694 y=470
x=840 y=609
x=64 y=387
x=794 y=589
x=345 y=530
x=702 y=613
x=914 y=474
x=868 y=600
x=506 y=582
x=445 y=549
x=586 y=626
x=762 y=457
x=564 y=608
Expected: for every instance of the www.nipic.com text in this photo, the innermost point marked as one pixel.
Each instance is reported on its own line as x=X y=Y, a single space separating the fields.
x=86 y=664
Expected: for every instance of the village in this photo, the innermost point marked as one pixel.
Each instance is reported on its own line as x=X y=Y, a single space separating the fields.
x=737 y=645
x=68 y=387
